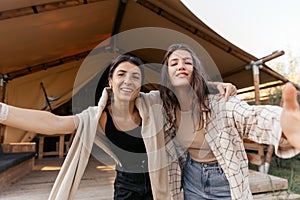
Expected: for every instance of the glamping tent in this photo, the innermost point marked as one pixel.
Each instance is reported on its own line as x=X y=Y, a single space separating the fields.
x=45 y=44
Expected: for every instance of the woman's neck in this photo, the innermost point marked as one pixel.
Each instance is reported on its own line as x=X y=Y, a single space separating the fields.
x=122 y=109
x=185 y=96
x=125 y=115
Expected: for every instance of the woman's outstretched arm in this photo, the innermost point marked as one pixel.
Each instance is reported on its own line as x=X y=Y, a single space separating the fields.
x=36 y=120
x=290 y=118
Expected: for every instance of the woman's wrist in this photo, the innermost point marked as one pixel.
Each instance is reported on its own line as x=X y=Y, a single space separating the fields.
x=3 y=112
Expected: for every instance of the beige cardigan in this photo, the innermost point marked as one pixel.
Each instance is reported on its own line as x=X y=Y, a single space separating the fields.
x=72 y=170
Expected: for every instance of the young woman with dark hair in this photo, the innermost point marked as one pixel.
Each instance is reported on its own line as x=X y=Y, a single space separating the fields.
x=208 y=134
x=120 y=126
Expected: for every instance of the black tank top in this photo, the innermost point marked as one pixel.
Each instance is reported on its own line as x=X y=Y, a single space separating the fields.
x=128 y=146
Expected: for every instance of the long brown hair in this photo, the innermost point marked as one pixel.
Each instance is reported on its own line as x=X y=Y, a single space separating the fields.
x=199 y=86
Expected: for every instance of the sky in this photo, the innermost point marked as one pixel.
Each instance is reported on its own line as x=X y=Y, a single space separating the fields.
x=259 y=27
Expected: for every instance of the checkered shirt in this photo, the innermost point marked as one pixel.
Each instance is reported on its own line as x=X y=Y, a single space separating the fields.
x=229 y=123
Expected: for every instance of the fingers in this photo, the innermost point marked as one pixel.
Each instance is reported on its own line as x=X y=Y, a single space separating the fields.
x=221 y=89
x=220 y=97
x=230 y=91
x=221 y=92
x=226 y=90
x=289 y=97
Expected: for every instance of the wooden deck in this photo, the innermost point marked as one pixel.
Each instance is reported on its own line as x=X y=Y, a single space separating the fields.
x=97 y=183
x=265 y=186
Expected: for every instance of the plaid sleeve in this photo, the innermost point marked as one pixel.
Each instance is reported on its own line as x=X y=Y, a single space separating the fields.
x=260 y=124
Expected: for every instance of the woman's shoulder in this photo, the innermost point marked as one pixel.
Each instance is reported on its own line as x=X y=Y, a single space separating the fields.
x=216 y=103
x=216 y=98
x=145 y=101
x=151 y=93
x=152 y=96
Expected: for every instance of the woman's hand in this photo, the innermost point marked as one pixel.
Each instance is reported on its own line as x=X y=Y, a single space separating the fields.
x=290 y=117
x=226 y=90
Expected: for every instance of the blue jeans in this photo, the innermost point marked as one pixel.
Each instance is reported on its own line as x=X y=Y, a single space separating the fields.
x=132 y=186
x=204 y=181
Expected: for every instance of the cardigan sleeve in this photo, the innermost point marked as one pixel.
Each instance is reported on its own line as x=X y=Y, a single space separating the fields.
x=150 y=108
x=68 y=179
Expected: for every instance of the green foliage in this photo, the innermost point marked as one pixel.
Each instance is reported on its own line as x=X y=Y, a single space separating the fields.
x=274 y=96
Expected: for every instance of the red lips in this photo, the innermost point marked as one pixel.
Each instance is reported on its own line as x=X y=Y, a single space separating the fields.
x=182 y=74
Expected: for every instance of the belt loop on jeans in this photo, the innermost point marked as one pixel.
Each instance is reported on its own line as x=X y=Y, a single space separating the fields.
x=189 y=159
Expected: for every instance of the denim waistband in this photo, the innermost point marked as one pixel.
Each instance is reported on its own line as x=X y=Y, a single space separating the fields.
x=207 y=166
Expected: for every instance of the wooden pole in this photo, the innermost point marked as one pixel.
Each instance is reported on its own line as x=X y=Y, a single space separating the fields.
x=255 y=70
x=256 y=66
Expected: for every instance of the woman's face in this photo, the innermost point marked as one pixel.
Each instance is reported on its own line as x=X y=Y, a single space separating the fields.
x=126 y=81
x=180 y=68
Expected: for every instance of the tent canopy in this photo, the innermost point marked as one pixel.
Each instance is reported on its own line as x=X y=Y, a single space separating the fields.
x=36 y=35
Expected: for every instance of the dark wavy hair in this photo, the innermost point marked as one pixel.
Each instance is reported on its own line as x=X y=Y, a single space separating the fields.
x=199 y=86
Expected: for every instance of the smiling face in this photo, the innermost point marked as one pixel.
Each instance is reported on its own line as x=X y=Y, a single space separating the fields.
x=126 y=81
x=180 y=68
